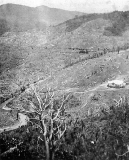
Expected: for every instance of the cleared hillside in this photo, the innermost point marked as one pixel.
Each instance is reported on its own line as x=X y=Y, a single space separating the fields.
x=64 y=60
x=89 y=35
x=61 y=74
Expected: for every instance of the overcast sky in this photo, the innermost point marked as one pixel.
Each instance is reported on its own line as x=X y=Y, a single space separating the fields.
x=87 y=6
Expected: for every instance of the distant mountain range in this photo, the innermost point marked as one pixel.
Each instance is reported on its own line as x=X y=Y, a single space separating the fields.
x=15 y=17
x=18 y=17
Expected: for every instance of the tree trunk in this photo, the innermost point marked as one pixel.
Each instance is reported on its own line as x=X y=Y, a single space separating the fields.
x=47 y=150
x=52 y=155
x=49 y=153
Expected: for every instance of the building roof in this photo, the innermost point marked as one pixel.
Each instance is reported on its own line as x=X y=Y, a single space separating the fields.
x=118 y=82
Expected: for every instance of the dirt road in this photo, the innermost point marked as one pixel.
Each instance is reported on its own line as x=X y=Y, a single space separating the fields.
x=23 y=119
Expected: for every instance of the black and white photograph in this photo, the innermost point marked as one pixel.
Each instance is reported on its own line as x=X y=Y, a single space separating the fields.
x=64 y=79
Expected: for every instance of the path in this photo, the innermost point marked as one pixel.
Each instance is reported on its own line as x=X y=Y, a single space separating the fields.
x=23 y=119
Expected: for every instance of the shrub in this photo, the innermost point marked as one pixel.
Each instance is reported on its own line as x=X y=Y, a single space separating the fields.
x=97 y=137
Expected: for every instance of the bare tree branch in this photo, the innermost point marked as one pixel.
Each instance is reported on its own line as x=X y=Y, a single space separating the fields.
x=49 y=120
x=11 y=149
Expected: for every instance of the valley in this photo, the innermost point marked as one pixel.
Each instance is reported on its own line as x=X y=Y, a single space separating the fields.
x=73 y=56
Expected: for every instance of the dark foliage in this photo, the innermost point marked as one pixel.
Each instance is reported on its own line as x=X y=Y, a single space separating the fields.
x=103 y=137
x=83 y=51
x=25 y=138
x=119 y=23
x=73 y=24
x=119 y=20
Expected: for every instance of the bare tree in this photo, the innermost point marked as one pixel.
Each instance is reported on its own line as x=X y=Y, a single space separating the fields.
x=50 y=119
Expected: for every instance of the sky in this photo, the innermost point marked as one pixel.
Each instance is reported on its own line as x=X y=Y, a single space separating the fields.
x=88 y=6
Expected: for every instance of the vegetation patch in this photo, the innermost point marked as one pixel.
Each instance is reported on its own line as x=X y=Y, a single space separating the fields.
x=97 y=137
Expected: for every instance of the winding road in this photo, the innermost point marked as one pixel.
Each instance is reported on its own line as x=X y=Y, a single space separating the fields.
x=23 y=119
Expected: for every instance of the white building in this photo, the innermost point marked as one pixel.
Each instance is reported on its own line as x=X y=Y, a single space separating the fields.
x=116 y=84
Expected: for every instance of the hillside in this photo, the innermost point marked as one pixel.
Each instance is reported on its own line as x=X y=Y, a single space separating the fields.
x=21 y=18
x=40 y=66
x=32 y=55
x=119 y=22
x=54 y=16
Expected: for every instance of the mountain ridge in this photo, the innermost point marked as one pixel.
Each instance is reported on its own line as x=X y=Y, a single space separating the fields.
x=24 y=17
